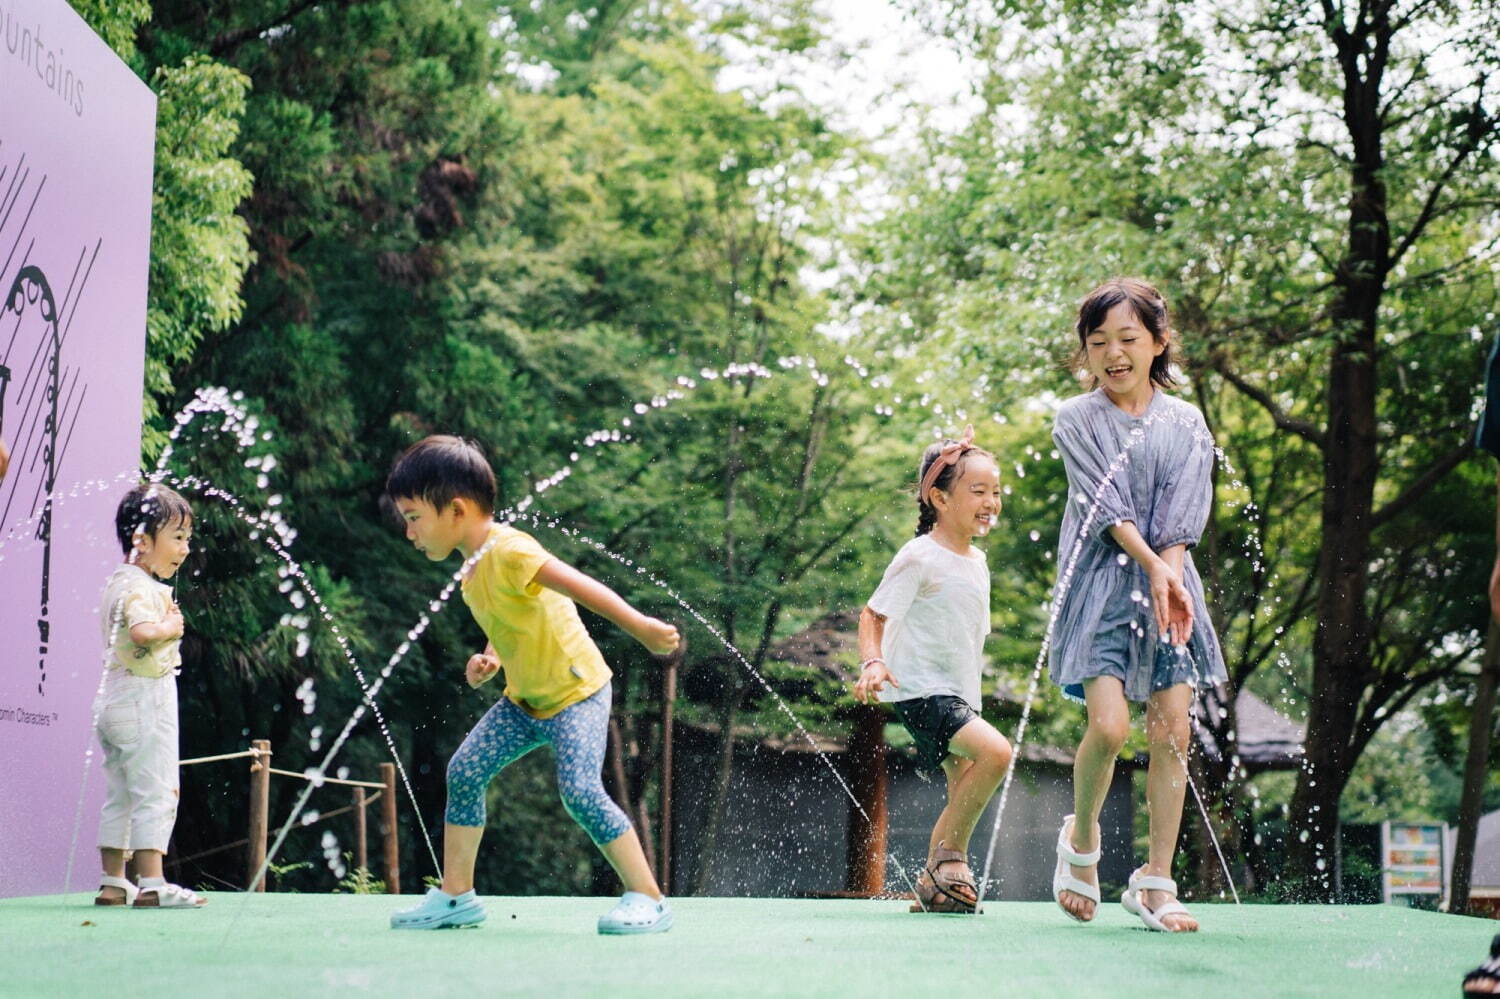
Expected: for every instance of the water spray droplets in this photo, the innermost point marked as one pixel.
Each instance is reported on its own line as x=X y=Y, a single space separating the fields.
x=332 y=855
x=291 y=572
x=307 y=695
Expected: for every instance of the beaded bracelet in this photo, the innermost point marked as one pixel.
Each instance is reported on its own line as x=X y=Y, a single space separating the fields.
x=873 y=659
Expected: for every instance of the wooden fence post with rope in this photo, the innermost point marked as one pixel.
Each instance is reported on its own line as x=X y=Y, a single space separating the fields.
x=260 y=811
x=388 y=814
x=361 y=846
x=256 y=842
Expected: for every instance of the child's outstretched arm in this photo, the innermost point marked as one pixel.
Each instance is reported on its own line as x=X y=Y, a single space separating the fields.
x=1169 y=598
x=658 y=636
x=155 y=632
x=873 y=674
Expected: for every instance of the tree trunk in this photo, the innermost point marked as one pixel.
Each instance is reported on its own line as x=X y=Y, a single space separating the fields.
x=728 y=712
x=668 y=704
x=1257 y=865
x=864 y=866
x=1198 y=836
x=1342 y=664
x=735 y=694
x=1341 y=648
x=1481 y=725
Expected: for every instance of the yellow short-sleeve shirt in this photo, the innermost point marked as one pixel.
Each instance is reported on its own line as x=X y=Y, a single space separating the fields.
x=549 y=659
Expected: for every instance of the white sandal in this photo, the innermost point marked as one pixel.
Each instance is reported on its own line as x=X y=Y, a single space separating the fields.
x=1134 y=901
x=109 y=881
x=1063 y=879
x=168 y=896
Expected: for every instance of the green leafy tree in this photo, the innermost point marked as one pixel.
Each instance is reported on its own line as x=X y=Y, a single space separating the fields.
x=199 y=250
x=447 y=238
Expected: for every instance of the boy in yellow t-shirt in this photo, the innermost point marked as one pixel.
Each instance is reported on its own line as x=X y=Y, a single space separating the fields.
x=557 y=688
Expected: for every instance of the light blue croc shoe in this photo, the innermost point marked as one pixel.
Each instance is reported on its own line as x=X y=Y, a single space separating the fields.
x=637 y=912
x=440 y=910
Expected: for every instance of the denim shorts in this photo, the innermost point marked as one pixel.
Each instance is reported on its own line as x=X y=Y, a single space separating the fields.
x=1170 y=665
x=933 y=722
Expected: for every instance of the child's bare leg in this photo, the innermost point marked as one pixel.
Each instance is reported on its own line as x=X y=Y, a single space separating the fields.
x=112 y=860
x=975 y=765
x=1167 y=728
x=1093 y=770
x=953 y=770
x=460 y=849
x=982 y=756
x=625 y=855
x=148 y=863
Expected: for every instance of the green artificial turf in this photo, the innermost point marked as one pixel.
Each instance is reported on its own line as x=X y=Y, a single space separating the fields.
x=293 y=945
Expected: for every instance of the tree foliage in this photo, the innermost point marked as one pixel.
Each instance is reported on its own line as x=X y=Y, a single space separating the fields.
x=550 y=228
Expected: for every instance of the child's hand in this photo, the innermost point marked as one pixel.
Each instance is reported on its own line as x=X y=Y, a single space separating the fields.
x=659 y=637
x=171 y=625
x=1173 y=607
x=481 y=669
x=872 y=680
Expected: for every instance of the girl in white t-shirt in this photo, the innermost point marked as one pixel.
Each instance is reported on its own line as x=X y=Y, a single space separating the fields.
x=923 y=633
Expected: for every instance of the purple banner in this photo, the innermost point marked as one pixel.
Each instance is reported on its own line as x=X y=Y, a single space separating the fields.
x=77 y=132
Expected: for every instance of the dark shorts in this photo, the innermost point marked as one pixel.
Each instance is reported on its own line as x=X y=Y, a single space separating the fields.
x=933 y=722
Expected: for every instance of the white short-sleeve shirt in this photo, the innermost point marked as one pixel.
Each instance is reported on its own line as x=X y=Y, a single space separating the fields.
x=936 y=603
x=132 y=597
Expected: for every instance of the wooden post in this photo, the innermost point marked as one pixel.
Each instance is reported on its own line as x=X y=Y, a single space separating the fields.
x=616 y=763
x=864 y=865
x=668 y=701
x=614 y=759
x=388 y=812
x=260 y=812
x=361 y=854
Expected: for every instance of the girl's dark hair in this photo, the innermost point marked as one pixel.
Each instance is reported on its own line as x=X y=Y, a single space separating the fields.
x=1149 y=307
x=146 y=509
x=440 y=468
x=926 y=512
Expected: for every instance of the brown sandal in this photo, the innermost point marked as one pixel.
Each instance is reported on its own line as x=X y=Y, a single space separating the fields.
x=950 y=890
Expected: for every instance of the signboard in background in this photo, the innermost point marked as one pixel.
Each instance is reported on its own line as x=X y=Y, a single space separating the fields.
x=77 y=136
x=1411 y=858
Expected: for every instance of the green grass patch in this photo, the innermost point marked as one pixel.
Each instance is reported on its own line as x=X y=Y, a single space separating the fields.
x=271 y=945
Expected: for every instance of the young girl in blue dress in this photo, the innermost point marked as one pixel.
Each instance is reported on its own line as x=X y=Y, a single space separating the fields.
x=1131 y=624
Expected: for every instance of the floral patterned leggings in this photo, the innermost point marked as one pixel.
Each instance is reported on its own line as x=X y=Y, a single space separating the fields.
x=506 y=733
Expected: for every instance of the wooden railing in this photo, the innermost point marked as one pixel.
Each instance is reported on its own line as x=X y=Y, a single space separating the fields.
x=258 y=836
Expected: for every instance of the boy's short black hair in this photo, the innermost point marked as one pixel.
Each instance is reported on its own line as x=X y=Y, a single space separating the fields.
x=441 y=468
x=148 y=508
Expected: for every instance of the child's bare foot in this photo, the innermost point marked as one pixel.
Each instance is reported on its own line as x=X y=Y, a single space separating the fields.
x=1177 y=922
x=1078 y=891
x=1077 y=906
x=946 y=884
x=1155 y=901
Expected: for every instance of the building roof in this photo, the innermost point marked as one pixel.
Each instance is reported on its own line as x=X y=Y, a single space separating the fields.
x=1486 y=877
x=831 y=644
x=1267 y=739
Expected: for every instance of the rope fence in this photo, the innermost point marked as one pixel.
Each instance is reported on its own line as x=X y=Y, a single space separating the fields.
x=261 y=772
